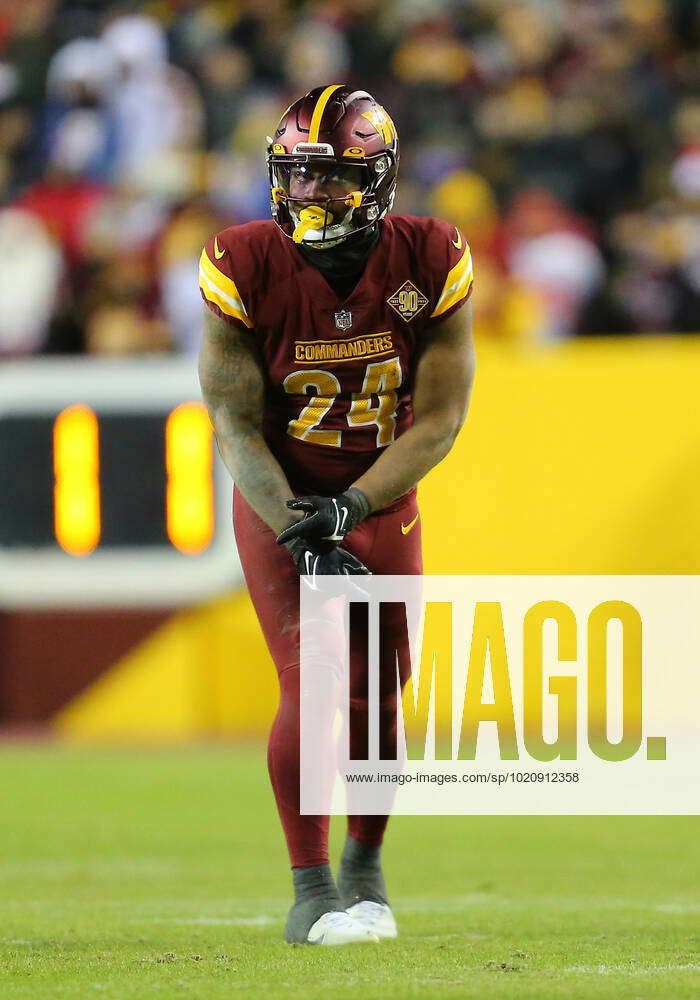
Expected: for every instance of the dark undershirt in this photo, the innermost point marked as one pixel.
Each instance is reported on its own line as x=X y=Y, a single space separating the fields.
x=342 y=266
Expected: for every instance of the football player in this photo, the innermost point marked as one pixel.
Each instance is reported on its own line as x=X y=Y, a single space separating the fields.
x=337 y=364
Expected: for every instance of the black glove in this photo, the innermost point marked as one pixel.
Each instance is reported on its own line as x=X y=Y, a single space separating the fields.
x=327 y=519
x=326 y=560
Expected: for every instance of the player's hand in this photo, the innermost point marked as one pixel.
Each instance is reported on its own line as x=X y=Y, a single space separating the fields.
x=327 y=519
x=314 y=561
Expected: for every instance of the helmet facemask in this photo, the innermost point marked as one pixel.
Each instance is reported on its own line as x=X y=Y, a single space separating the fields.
x=322 y=221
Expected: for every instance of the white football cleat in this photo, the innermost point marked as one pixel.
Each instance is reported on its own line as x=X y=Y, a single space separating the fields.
x=374 y=917
x=338 y=927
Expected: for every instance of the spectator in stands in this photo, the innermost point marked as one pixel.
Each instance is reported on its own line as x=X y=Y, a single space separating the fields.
x=562 y=136
x=30 y=282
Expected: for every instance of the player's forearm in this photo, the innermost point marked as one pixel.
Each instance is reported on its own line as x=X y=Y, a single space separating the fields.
x=257 y=474
x=404 y=463
x=441 y=394
x=233 y=389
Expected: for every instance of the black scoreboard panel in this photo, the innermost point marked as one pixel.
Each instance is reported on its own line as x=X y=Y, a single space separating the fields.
x=26 y=481
x=111 y=490
x=133 y=480
x=125 y=480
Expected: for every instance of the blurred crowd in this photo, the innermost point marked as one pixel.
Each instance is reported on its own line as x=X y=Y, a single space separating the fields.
x=562 y=136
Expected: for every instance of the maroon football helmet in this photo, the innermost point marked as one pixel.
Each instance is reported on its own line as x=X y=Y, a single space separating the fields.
x=347 y=137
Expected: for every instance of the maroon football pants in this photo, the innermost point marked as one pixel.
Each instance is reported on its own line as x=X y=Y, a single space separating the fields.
x=388 y=542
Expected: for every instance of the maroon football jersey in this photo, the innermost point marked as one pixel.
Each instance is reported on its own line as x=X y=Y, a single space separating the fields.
x=339 y=372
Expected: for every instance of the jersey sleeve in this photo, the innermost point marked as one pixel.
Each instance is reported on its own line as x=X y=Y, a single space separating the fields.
x=455 y=277
x=217 y=283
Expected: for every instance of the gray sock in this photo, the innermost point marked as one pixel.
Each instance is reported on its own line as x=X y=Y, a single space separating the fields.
x=315 y=893
x=360 y=875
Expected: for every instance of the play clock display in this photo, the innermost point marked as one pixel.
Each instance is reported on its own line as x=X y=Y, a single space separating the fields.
x=82 y=479
x=111 y=488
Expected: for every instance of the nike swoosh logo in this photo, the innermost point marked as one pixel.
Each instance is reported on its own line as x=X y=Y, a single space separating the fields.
x=218 y=253
x=458 y=242
x=339 y=522
x=405 y=528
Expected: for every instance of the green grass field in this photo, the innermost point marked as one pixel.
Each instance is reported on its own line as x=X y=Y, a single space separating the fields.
x=161 y=874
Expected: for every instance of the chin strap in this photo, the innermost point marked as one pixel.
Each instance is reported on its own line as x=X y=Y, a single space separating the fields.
x=312 y=217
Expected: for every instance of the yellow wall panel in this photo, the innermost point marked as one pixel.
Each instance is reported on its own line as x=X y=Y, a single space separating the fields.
x=579 y=459
x=204 y=673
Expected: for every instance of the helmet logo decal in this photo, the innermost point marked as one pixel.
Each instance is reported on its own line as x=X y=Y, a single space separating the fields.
x=407 y=301
x=382 y=122
x=279 y=149
x=354 y=151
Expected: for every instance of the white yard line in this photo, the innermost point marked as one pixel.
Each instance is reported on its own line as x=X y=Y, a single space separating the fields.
x=677 y=907
x=487 y=900
x=59 y=869
x=259 y=921
x=630 y=970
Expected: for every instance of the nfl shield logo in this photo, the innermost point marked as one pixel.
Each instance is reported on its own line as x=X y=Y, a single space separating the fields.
x=343 y=319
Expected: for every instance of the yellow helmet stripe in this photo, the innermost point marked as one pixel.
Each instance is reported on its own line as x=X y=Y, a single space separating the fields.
x=315 y=126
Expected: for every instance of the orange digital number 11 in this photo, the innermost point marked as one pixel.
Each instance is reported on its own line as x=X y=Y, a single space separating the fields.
x=189 y=500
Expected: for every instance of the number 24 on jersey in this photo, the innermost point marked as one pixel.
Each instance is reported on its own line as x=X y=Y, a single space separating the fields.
x=381 y=380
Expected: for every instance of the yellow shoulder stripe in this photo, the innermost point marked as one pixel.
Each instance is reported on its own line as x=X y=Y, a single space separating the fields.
x=315 y=126
x=457 y=285
x=221 y=290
